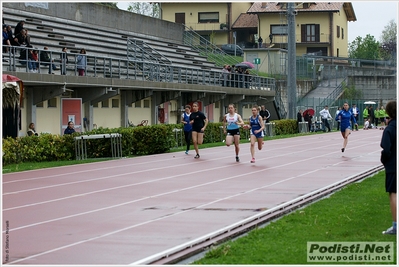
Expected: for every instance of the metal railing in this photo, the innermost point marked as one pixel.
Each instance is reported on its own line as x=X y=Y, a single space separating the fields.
x=110 y=67
x=206 y=48
x=334 y=95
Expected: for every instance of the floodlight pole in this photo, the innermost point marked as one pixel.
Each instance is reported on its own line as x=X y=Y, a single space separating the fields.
x=291 y=78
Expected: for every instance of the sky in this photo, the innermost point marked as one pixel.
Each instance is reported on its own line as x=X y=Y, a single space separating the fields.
x=372 y=17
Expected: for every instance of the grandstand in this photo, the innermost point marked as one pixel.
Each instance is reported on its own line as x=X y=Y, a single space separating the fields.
x=127 y=63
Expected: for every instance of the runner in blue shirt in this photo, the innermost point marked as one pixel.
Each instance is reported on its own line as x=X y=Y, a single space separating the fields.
x=345 y=116
x=257 y=126
x=187 y=128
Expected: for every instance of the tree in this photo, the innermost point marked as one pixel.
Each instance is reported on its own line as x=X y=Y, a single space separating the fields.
x=388 y=41
x=365 y=48
x=145 y=8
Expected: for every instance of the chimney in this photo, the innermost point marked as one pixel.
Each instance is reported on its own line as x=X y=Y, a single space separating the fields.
x=263 y=4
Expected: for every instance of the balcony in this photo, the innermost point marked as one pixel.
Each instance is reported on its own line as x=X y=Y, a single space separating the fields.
x=283 y=39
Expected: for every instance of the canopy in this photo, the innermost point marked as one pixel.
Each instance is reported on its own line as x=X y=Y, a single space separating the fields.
x=12 y=90
x=309 y=111
x=245 y=65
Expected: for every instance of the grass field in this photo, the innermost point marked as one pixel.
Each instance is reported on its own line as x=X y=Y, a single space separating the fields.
x=357 y=213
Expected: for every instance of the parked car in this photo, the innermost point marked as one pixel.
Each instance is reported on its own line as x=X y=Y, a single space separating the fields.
x=229 y=49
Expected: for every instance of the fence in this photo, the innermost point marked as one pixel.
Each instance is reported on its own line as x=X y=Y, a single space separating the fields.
x=18 y=59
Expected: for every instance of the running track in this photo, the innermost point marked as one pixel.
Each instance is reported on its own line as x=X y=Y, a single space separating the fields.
x=124 y=211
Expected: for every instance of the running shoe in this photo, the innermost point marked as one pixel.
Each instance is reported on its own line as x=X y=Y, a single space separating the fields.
x=253 y=160
x=237 y=159
x=342 y=149
x=389 y=231
x=197 y=156
x=186 y=152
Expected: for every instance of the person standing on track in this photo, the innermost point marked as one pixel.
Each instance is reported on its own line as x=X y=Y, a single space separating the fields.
x=389 y=159
x=325 y=115
x=345 y=116
x=257 y=126
x=187 y=127
x=233 y=121
x=199 y=122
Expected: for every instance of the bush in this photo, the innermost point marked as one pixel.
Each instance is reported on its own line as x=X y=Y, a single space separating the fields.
x=286 y=127
x=143 y=140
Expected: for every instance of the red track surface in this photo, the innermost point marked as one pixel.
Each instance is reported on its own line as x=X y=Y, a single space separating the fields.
x=123 y=211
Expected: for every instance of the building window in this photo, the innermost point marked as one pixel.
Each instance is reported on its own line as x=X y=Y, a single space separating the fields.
x=115 y=103
x=137 y=104
x=105 y=103
x=279 y=29
x=342 y=33
x=208 y=17
x=39 y=105
x=338 y=31
x=146 y=103
x=310 y=33
x=95 y=105
x=217 y=104
x=52 y=103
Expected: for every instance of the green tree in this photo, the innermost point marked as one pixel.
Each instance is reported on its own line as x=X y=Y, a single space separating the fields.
x=388 y=41
x=145 y=8
x=365 y=48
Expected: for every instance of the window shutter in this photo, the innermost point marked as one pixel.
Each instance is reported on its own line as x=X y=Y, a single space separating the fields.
x=338 y=31
x=303 y=33
x=317 y=32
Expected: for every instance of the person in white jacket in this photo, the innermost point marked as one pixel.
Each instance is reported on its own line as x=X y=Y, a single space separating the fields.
x=325 y=115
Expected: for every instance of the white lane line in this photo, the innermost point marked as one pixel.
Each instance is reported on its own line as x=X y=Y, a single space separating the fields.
x=123 y=174
x=176 y=191
x=118 y=187
x=175 y=214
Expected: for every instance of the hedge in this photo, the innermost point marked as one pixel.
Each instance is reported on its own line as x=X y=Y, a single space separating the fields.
x=144 y=140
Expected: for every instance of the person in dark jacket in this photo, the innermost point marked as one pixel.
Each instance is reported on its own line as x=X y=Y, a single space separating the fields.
x=69 y=129
x=299 y=117
x=389 y=159
x=19 y=27
x=45 y=60
x=64 y=61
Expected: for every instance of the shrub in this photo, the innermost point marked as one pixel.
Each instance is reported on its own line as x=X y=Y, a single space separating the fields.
x=143 y=140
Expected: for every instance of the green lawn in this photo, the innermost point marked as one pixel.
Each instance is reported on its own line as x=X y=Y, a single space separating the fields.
x=357 y=213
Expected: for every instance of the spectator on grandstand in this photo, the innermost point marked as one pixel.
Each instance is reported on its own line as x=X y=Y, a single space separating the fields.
x=35 y=60
x=21 y=39
x=26 y=58
x=64 y=60
x=45 y=60
x=247 y=79
x=6 y=40
x=240 y=77
x=225 y=75
x=27 y=37
x=11 y=35
x=81 y=62
x=19 y=27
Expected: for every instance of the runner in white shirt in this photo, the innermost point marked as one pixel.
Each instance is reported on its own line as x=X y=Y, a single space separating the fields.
x=233 y=121
x=325 y=115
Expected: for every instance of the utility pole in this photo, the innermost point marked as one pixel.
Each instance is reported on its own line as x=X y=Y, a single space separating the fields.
x=291 y=79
